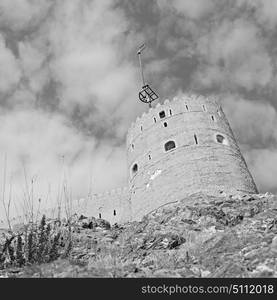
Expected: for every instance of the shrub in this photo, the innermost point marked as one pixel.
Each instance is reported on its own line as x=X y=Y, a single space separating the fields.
x=38 y=244
x=19 y=252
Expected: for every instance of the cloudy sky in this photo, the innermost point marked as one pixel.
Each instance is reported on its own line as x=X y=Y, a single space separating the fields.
x=69 y=80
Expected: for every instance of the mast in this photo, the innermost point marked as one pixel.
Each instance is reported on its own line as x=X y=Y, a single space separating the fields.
x=146 y=95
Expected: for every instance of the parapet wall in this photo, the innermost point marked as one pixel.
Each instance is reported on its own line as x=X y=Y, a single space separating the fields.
x=186 y=103
x=113 y=206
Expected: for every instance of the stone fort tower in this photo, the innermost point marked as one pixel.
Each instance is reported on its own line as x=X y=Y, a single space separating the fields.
x=183 y=147
x=176 y=149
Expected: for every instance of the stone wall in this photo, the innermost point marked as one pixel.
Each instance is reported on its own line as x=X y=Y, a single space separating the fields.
x=113 y=206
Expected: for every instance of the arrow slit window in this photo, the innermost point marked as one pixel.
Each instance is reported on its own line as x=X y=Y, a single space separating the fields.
x=135 y=169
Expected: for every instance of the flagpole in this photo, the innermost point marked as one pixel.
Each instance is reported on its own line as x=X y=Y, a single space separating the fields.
x=140 y=63
x=146 y=95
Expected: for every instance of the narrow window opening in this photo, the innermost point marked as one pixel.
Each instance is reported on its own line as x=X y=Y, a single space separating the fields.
x=187 y=107
x=155 y=120
x=196 y=140
x=165 y=124
x=169 y=145
x=213 y=118
x=170 y=112
x=114 y=212
x=100 y=216
x=204 y=108
x=135 y=169
x=133 y=146
x=149 y=157
x=162 y=114
x=140 y=128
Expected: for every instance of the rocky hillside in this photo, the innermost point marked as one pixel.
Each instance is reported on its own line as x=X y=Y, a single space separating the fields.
x=200 y=236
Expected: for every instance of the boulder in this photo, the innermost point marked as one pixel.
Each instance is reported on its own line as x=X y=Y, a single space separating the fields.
x=82 y=217
x=89 y=223
x=274 y=244
x=103 y=224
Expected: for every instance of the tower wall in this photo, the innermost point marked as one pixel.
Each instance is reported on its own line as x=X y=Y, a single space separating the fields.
x=206 y=157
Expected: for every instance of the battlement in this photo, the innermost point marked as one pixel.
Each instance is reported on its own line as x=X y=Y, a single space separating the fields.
x=185 y=103
x=113 y=192
x=112 y=205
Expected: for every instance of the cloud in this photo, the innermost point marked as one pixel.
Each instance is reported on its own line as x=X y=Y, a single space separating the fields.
x=190 y=8
x=263 y=164
x=88 y=63
x=72 y=91
x=51 y=150
x=10 y=72
x=255 y=126
x=18 y=15
x=254 y=122
x=33 y=60
x=234 y=55
x=265 y=11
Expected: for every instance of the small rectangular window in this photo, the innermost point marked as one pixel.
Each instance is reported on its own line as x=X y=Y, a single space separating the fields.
x=114 y=212
x=99 y=216
x=162 y=114
x=169 y=145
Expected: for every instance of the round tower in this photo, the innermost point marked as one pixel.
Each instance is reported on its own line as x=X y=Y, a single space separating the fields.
x=183 y=147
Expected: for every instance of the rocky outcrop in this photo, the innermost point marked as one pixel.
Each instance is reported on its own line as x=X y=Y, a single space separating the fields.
x=200 y=236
